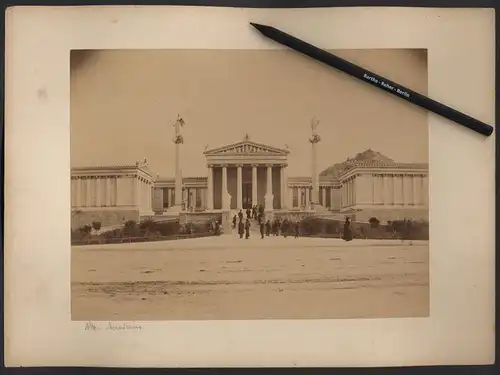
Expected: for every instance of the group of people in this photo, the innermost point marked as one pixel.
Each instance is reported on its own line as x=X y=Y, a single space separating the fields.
x=267 y=228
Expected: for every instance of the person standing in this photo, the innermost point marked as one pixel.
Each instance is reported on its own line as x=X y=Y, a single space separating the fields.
x=241 y=228
x=284 y=227
x=268 y=228
x=261 y=225
x=297 y=229
x=234 y=221
x=240 y=215
x=347 y=235
x=247 y=229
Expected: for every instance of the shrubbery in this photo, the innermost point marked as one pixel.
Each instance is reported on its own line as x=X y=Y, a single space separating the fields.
x=321 y=227
x=148 y=230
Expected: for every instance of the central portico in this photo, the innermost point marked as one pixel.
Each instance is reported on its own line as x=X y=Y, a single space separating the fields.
x=245 y=174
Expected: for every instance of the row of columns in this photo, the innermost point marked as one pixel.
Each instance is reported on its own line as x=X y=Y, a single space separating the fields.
x=94 y=191
x=306 y=192
x=389 y=189
x=239 y=185
x=112 y=191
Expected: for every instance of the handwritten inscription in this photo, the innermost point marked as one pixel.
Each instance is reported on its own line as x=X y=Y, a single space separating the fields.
x=110 y=326
x=386 y=85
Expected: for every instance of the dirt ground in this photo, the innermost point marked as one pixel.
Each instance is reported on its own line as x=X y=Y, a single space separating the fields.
x=230 y=278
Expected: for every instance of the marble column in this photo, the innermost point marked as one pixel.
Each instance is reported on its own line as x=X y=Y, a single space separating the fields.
x=416 y=200
x=323 y=197
x=225 y=203
x=269 y=188
x=283 y=187
x=78 y=192
x=171 y=198
x=425 y=191
x=87 y=192
x=239 y=187
x=108 y=191
x=210 y=188
x=306 y=195
x=178 y=175
x=404 y=193
x=254 y=185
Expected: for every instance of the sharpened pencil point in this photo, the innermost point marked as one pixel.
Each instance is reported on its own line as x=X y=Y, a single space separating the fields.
x=258 y=26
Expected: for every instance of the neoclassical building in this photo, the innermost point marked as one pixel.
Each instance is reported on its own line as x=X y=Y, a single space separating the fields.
x=246 y=173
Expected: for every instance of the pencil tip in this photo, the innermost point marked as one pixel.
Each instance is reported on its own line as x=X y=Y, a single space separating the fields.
x=258 y=26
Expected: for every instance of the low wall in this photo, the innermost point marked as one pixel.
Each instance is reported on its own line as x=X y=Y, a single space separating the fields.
x=299 y=215
x=199 y=217
x=107 y=218
x=385 y=215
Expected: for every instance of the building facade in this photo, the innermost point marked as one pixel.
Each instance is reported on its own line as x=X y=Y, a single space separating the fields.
x=247 y=173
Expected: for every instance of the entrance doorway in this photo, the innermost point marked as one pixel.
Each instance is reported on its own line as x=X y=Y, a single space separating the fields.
x=247 y=195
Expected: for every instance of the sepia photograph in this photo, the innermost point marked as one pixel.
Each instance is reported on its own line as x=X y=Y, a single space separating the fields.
x=246 y=184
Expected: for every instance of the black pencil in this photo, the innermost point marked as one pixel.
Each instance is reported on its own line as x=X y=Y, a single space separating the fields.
x=373 y=79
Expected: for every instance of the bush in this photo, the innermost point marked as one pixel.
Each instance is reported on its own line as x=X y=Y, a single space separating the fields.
x=168 y=228
x=374 y=222
x=410 y=229
x=315 y=226
x=96 y=225
x=130 y=229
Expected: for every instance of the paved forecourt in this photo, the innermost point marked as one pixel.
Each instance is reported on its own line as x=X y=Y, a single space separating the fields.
x=225 y=277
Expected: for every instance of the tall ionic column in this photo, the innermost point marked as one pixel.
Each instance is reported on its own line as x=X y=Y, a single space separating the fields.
x=171 y=199
x=225 y=203
x=323 y=197
x=283 y=187
x=239 y=187
x=254 y=185
x=88 y=183
x=416 y=191
x=210 y=188
x=78 y=192
x=269 y=188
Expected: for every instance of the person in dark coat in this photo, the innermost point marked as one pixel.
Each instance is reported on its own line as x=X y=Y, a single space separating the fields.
x=347 y=235
x=268 y=228
x=241 y=228
x=297 y=229
x=234 y=221
x=284 y=228
x=262 y=226
x=217 y=228
x=240 y=215
x=247 y=229
x=248 y=212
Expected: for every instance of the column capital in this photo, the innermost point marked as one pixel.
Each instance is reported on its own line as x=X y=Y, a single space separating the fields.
x=239 y=165
x=269 y=165
x=253 y=165
x=224 y=165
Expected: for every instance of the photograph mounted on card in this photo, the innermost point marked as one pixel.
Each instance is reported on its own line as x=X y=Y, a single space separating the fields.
x=255 y=204
x=269 y=187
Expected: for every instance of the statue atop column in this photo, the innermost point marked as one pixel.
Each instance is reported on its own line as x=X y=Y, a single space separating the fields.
x=179 y=123
x=314 y=140
x=178 y=141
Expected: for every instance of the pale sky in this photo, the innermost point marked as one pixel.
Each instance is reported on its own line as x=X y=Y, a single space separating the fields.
x=124 y=103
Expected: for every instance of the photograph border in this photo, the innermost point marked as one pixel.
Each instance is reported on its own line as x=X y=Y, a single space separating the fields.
x=469 y=4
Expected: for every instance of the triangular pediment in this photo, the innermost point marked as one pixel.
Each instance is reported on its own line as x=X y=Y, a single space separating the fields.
x=246 y=148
